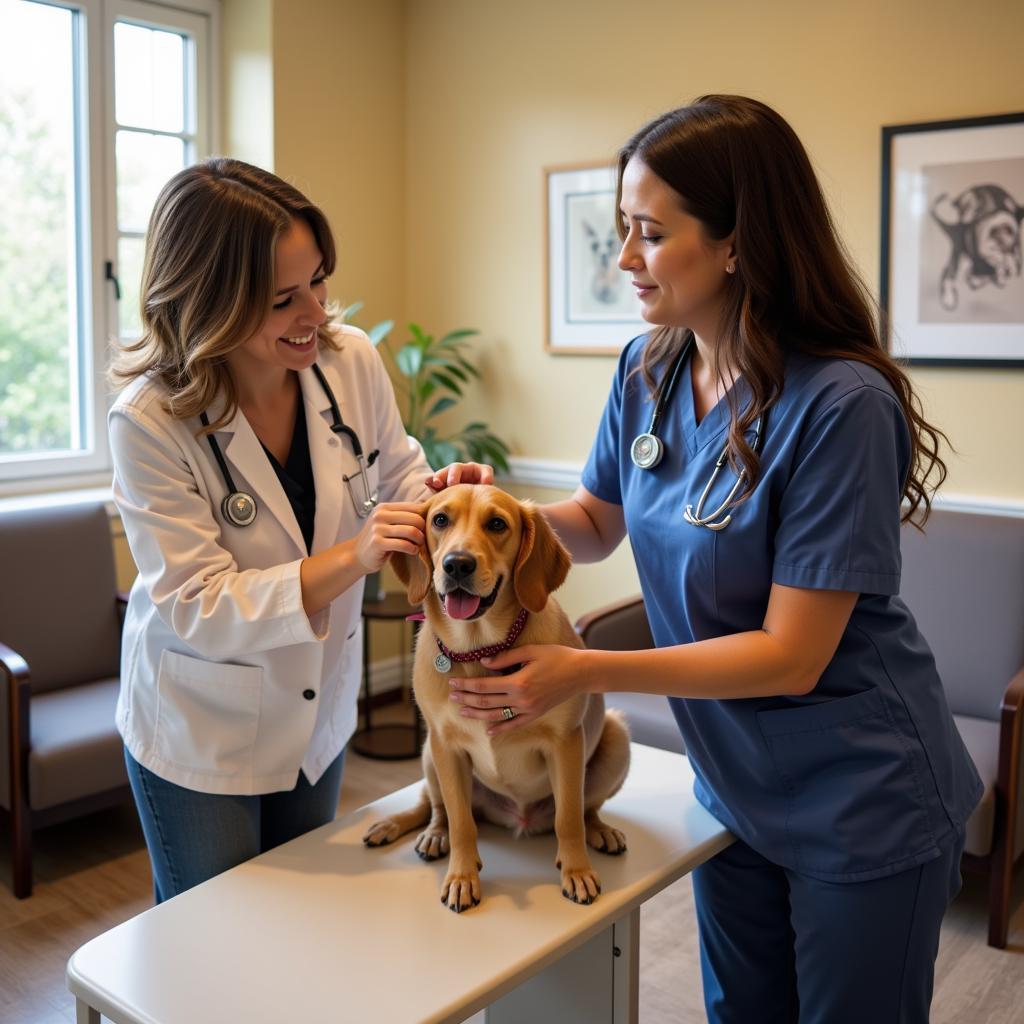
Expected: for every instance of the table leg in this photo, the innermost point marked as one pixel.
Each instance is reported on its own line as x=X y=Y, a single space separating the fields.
x=366 y=675
x=598 y=981
x=626 y=969
x=85 y=1014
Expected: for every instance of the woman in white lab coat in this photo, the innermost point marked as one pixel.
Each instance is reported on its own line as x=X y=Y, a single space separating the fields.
x=242 y=648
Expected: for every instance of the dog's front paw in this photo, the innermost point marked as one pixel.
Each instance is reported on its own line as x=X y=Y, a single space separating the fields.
x=461 y=890
x=380 y=833
x=606 y=839
x=580 y=884
x=432 y=843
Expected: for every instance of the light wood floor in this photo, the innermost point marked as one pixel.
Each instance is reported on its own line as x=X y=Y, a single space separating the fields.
x=94 y=873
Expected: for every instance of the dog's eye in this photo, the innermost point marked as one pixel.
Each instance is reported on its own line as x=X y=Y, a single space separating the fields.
x=497 y=525
x=440 y=520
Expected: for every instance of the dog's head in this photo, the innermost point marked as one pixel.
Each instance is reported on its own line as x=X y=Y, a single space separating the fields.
x=484 y=550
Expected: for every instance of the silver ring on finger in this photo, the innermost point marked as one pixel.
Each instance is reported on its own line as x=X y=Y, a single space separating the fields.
x=507 y=713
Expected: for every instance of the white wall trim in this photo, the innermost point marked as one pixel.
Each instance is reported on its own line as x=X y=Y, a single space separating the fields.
x=980 y=505
x=563 y=476
x=566 y=476
x=526 y=472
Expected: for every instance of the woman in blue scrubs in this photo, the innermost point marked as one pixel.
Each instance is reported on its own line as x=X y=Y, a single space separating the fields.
x=809 y=703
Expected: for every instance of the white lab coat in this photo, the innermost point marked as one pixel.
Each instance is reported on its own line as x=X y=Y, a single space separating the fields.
x=217 y=650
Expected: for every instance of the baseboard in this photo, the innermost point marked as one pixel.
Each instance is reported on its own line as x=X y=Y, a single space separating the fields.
x=386 y=677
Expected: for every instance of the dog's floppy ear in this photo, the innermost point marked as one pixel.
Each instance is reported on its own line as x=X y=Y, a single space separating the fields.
x=415 y=571
x=542 y=563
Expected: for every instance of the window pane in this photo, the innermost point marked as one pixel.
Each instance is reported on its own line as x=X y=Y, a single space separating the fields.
x=144 y=163
x=130 y=253
x=149 y=77
x=38 y=239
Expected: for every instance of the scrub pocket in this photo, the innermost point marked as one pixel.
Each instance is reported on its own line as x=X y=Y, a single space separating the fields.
x=208 y=714
x=854 y=801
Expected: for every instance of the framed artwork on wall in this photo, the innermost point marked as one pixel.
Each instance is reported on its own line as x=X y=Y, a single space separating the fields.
x=951 y=282
x=591 y=307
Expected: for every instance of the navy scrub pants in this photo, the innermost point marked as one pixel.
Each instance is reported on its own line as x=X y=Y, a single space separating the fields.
x=778 y=947
x=193 y=836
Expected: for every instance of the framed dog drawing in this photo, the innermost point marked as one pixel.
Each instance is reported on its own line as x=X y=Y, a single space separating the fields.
x=952 y=286
x=590 y=306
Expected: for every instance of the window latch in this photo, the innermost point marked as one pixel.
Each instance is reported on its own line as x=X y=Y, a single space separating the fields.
x=111 y=276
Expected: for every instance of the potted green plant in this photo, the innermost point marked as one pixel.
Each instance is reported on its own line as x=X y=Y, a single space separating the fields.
x=430 y=376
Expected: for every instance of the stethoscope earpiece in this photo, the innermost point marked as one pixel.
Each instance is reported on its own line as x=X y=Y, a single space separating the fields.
x=239 y=508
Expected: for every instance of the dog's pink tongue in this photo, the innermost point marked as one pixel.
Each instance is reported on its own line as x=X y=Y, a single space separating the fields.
x=460 y=605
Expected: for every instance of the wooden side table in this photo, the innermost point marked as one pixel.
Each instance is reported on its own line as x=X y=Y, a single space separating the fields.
x=392 y=741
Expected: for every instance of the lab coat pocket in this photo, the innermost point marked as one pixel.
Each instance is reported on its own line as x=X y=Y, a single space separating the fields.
x=208 y=714
x=854 y=803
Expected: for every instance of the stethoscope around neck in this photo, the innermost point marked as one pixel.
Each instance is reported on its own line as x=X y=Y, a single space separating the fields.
x=647 y=451
x=239 y=508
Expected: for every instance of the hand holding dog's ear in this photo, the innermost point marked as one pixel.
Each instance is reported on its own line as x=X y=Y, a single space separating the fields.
x=414 y=569
x=392 y=527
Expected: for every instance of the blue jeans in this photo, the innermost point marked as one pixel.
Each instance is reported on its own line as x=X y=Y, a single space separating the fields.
x=779 y=947
x=193 y=836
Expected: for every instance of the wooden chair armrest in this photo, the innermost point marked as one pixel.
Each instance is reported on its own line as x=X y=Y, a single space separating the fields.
x=1011 y=726
x=584 y=622
x=14 y=677
x=14 y=664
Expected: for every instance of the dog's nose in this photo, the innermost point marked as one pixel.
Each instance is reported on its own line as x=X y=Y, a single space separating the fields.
x=459 y=565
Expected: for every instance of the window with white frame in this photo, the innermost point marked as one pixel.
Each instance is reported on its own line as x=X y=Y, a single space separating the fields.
x=101 y=101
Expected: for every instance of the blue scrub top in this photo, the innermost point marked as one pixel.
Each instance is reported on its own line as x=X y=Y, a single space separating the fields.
x=866 y=775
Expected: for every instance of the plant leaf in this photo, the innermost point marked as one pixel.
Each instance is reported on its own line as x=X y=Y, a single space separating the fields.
x=443 y=452
x=409 y=359
x=378 y=332
x=419 y=337
x=456 y=336
x=350 y=311
x=439 y=406
x=445 y=381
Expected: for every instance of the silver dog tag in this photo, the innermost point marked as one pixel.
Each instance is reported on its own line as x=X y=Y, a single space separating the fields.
x=441 y=663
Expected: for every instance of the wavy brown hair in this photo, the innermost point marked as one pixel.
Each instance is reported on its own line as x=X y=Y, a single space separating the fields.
x=740 y=169
x=208 y=279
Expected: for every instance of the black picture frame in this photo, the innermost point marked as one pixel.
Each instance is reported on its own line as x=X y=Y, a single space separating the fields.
x=918 y=230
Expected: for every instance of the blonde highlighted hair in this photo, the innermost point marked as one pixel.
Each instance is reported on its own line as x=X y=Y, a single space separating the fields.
x=208 y=279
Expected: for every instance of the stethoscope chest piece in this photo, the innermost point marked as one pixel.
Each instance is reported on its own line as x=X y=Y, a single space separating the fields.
x=239 y=508
x=646 y=451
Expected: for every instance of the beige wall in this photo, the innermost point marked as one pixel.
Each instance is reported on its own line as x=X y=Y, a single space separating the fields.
x=339 y=135
x=422 y=128
x=315 y=89
x=247 y=82
x=497 y=91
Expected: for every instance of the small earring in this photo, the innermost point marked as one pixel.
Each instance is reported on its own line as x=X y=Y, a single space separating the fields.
x=730 y=268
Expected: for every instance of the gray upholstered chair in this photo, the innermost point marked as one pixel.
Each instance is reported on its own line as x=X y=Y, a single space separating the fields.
x=623 y=627
x=964 y=581
x=60 y=640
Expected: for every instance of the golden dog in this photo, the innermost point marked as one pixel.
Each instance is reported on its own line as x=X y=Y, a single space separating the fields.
x=489 y=562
